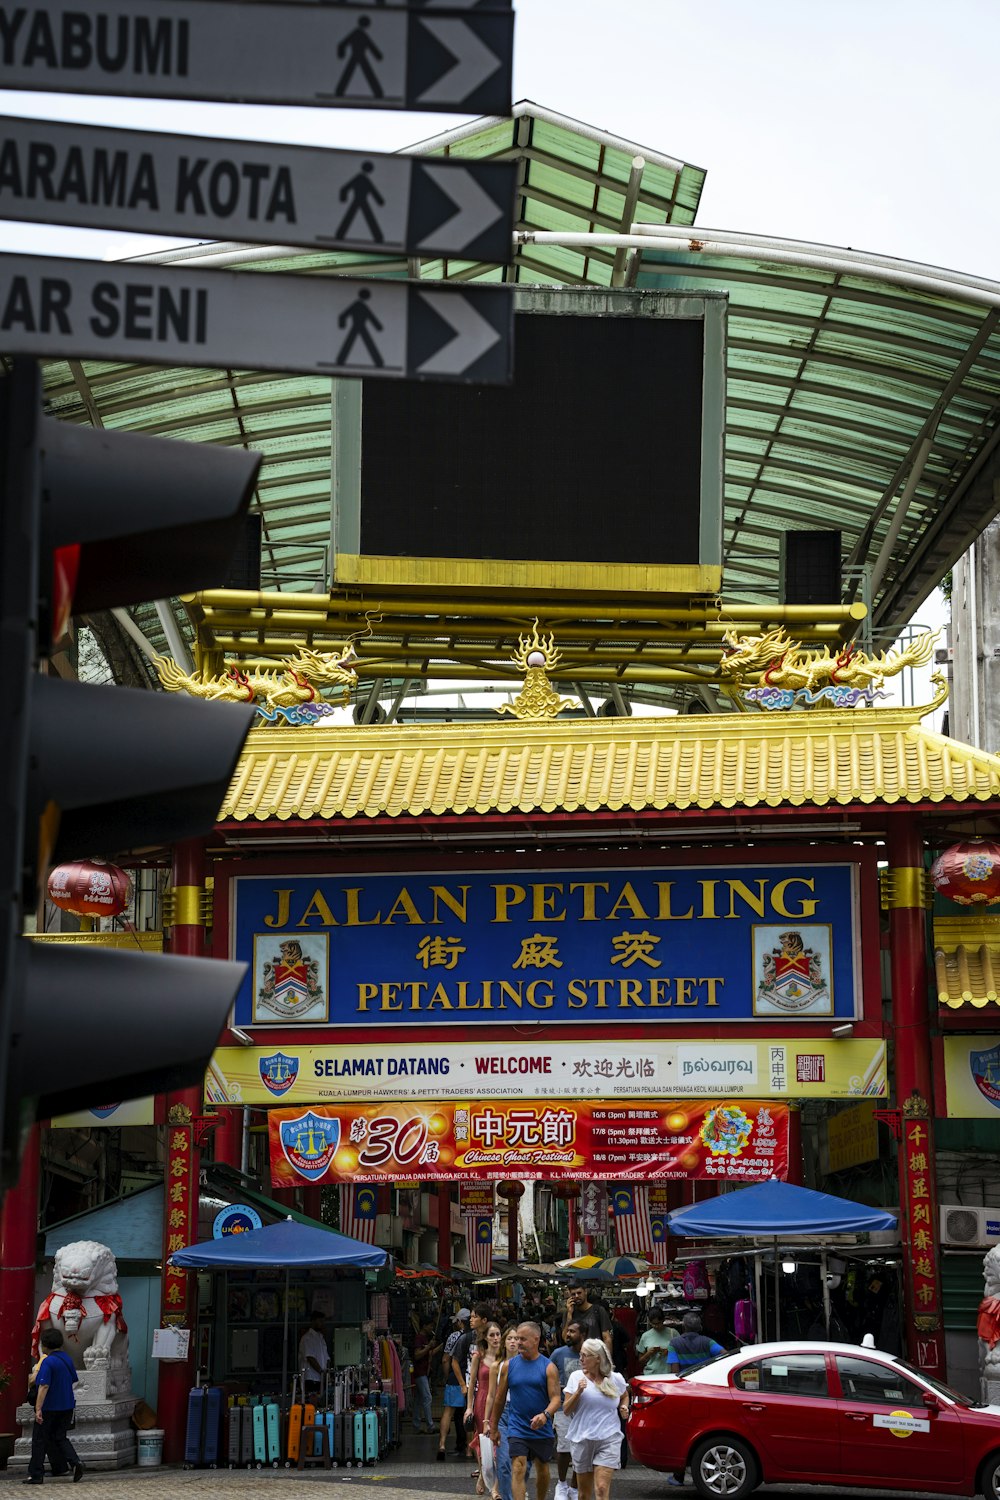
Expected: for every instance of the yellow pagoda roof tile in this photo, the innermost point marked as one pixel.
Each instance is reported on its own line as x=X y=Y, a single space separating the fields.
x=816 y=759
x=967 y=960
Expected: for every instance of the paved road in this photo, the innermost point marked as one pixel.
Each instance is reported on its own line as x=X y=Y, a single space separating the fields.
x=396 y=1479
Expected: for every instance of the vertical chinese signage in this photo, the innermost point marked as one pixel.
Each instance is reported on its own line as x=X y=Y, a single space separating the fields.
x=180 y=1227
x=594 y=1209
x=920 y=1231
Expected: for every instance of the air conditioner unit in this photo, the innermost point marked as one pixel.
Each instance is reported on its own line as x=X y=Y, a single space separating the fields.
x=969 y=1228
x=389 y=1231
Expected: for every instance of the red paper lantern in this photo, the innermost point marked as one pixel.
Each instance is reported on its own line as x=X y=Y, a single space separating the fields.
x=510 y=1190
x=90 y=888
x=565 y=1190
x=969 y=873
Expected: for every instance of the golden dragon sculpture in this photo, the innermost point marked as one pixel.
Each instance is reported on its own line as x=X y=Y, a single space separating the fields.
x=773 y=660
x=290 y=692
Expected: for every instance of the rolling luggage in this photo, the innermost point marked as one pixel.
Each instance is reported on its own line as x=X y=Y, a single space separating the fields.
x=294 y=1424
x=259 y=1436
x=234 y=1433
x=272 y=1423
x=205 y=1435
x=371 y=1434
x=214 y=1414
x=358 y=1436
x=329 y=1421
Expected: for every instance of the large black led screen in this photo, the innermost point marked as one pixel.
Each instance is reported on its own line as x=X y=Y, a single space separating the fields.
x=593 y=455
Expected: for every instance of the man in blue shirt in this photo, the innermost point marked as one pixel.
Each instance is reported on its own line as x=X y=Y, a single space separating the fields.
x=533 y=1382
x=55 y=1403
x=566 y=1360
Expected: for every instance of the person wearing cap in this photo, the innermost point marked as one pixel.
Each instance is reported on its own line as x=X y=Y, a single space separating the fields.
x=453 y=1409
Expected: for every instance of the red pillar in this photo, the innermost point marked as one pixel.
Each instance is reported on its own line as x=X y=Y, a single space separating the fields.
x=571 y=1225
x=795 y=1163
x=18 y=1237
x=444 y=1227
x=227 y=1139
x=312 y=1202
x=179 y=1306
x=914 y=1094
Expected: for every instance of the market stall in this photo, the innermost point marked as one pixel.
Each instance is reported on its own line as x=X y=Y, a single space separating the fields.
x=275 y=1278
x=781 y=1231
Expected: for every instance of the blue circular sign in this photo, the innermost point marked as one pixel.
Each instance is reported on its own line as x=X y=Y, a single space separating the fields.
x=237 y=1219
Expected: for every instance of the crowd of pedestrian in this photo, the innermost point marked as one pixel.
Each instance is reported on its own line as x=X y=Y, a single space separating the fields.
x=550 y=1385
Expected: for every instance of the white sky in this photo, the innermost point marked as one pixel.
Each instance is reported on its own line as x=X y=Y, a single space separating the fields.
x=869 y=123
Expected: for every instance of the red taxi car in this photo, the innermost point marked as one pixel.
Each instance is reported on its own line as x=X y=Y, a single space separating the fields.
x=814 y=1413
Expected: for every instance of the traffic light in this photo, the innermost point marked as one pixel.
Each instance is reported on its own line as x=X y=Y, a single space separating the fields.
x=88 y=520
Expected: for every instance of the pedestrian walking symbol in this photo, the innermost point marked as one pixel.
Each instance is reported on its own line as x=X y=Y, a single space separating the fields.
x=358 y=48
x=359 y=194
x=358 y=318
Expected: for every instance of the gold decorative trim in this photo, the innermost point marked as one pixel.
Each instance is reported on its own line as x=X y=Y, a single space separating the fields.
x=179 y=1114
x=184 y=906
x=548 y=577
x=915 y=1107
x=904 y=888
x=536 y=656
x=149 y=942
x=926 y=1323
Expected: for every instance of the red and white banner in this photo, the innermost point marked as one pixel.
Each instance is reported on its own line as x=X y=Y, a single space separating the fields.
x=641 y=1220
x=358 y=1213
x=543 y=1139
x=479 y=1243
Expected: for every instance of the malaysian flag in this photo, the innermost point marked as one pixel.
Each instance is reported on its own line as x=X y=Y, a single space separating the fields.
x=479 y=1243
x=358 y=1213
x=633 y=1228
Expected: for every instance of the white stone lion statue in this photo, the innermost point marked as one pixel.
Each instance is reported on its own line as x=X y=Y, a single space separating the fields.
x=988 y=1327
x=85 y=1306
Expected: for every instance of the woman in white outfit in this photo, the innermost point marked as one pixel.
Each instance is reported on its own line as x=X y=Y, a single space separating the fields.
x=596 y=1400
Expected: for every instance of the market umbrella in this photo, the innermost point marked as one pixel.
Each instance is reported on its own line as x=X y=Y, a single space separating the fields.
x=579 y=1263
x=285 y=1244
x=619 y=1266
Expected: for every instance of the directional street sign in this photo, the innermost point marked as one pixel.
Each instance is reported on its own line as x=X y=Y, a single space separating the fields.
x=333 y=325
x=354 y=57
x=246 y=190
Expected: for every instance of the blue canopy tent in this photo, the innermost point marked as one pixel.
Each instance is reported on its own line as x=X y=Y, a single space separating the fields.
x=778 y=1210
x=285 y=1245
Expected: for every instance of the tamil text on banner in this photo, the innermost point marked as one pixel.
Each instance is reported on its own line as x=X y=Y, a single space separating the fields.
x=780 y=1068
x=972 y=1077
x=479 y=1245
x=476 y=1200
x=718 y=943
x=358 y=1213
x=737 y=1141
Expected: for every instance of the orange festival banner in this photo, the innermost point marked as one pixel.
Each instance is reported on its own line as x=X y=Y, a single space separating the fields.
x=644 y=1140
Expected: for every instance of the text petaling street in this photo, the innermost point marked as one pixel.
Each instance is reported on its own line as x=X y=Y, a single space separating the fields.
x=540 y=994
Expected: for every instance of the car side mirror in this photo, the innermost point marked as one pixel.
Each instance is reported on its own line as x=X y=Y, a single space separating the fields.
x=931 y=1403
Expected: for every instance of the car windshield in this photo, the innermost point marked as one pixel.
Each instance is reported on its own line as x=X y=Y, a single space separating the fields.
x=703 y=1364
x=937 y=1385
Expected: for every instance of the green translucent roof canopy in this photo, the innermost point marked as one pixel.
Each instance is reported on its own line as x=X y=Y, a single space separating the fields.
x=853 y=381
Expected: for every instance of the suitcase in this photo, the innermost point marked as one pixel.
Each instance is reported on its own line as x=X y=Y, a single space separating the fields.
x=234 y=1433
x=214 y=1413
x=194 y=1432
x=272 y=1423
x=294 y=1425
x=309 y=1420
x=246 y=1436
x=358 y=1436
x=329 y=1422
x=371 y=1422
x=258 y=1436
x=389 y=1402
